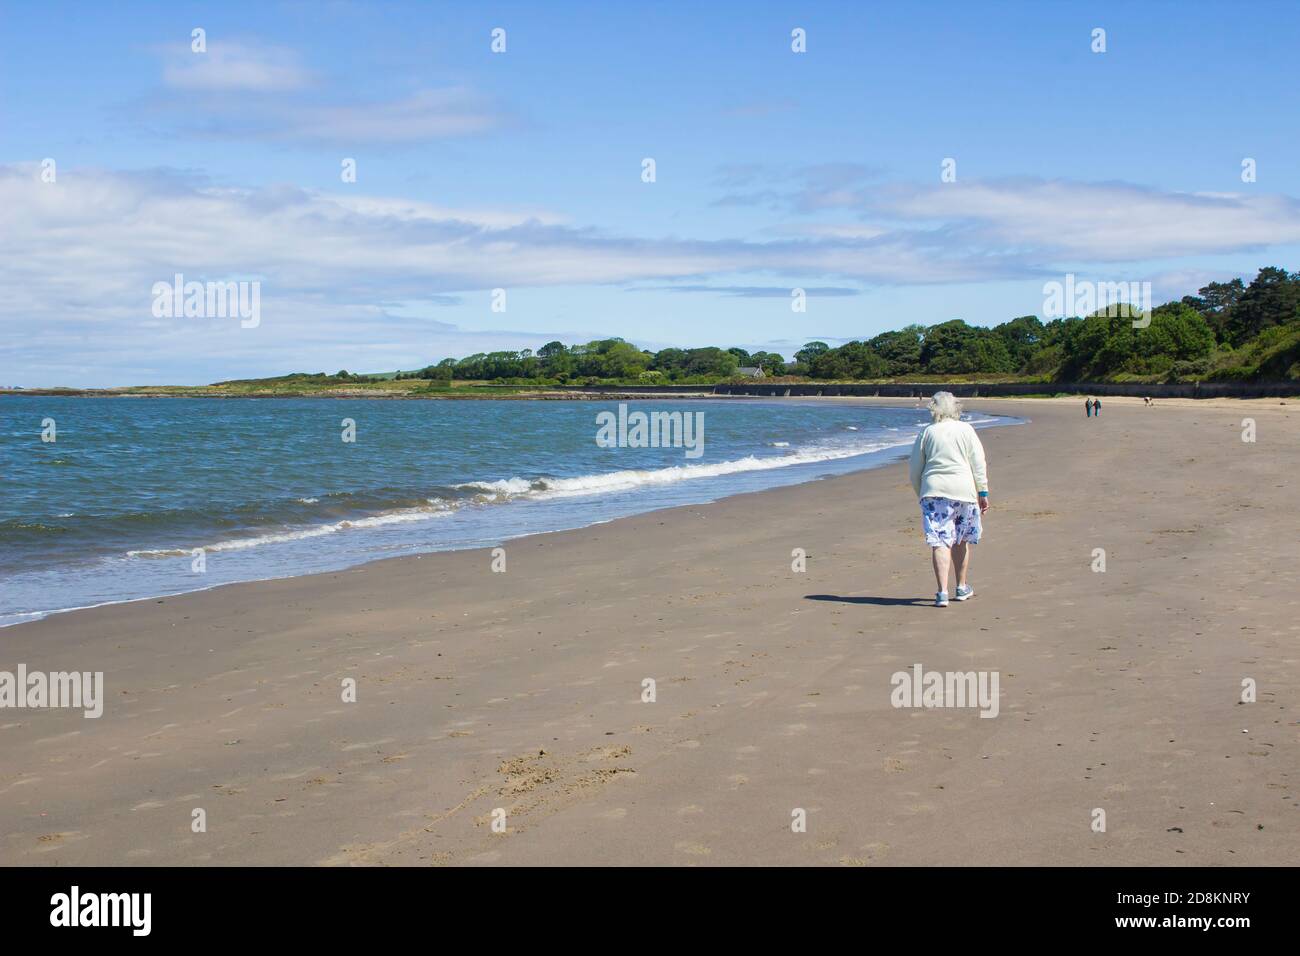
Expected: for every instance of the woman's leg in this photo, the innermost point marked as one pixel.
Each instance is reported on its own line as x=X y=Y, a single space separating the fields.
x=961 y=561
x=942 y=561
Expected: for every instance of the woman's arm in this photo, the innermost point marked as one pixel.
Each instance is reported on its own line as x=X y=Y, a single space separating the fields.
x=917 y=464
x=978 y=469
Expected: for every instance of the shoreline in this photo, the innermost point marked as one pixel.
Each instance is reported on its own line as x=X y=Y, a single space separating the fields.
x=1276 y=392
x=523 y=690
x=881 y=459
x=539 y=395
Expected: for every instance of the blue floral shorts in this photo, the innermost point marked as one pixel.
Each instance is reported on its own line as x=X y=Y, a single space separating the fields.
x=947 y=522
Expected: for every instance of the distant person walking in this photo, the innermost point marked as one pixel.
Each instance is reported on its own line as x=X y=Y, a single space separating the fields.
x=1096 y=408
x=948 y=475
x=1088 y=407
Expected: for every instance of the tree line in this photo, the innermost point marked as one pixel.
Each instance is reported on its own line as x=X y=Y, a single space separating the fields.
x=604 y=359
x=1228 y=331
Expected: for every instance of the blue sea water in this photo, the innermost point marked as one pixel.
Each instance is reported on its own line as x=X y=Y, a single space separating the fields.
x=115 y=508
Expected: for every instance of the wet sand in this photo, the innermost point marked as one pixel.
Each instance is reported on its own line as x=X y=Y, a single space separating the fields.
x=522 y=691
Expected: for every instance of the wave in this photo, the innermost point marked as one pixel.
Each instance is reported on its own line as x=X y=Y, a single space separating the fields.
x=280 y=537
x=634 y=478
x=504 y=490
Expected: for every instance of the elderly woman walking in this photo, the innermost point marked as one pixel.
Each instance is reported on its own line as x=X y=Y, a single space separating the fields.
x=948 y=475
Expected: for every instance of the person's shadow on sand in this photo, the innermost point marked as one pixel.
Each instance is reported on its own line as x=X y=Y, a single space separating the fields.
x=880 y=601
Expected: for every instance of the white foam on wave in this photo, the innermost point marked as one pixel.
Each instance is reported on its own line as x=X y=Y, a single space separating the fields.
x=241 y=544
x=507 y=489
x=636 y=477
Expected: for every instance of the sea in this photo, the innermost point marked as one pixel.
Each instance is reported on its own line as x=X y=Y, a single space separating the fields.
x=115 y=499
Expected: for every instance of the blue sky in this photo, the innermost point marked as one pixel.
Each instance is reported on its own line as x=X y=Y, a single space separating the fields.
x=522 y=171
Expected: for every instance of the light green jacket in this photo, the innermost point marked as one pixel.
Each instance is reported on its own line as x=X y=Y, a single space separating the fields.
x=948 y=462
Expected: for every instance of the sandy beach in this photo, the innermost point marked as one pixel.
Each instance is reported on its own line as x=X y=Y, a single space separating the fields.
x=523 y=691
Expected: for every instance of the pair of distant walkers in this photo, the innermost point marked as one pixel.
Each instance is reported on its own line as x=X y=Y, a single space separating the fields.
x=1093 y=407
x=949 y=477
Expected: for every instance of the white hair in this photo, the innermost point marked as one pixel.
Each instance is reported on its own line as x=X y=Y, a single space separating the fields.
x=944 y=405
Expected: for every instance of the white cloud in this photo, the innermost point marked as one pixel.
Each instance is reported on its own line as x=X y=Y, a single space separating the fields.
x=1099 y=222
x=827 y=230
x=78 y=259
x=105 y=230
x=234 y=66
x=246 y=90
x=424 y=115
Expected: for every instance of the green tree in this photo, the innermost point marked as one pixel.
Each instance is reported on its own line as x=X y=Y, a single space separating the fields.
x=901 y=350
x=954 y=348
x=622 y=360
x=809 y=352
x=770 y=362
x=1216 y=302
x=1101 y=346
x=1272 y=298
x=710 y=362
x=1022 y=338
x=852 y=360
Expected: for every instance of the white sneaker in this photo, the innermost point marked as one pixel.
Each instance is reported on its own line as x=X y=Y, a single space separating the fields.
x=941 y=599
x=964 y=592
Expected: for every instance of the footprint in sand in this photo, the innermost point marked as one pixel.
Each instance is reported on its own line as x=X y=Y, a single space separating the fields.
x=281 y=777
x=49 y=842
x=694 y=849
x=871 y=853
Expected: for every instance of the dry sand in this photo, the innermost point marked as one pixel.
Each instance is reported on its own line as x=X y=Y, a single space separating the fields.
x=522 y=691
